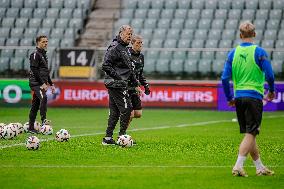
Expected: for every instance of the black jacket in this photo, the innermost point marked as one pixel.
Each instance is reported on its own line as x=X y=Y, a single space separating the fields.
x=39 y=73
x=138 y=61
x=118 y=66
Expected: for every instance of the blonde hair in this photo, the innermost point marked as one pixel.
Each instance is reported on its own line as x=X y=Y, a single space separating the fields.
x=135 y=38
x=247 y=29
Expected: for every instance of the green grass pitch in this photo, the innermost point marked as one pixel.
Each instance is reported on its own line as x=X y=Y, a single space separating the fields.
x=175 y=149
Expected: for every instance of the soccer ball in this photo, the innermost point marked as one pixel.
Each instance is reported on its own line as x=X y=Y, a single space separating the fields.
x=32 y=143
x=36 y=126
x=2 y=130
x=19 y=127
x=2 y=124
x=9 y=131
x=125 y=141
x=46 y=130
x=62 y=135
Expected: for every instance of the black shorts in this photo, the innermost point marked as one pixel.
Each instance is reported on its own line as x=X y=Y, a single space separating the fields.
x=249 y=113
x=135 y=100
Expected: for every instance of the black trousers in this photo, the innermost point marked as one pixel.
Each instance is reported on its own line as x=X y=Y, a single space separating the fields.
x=119 y=108
x=39 y=102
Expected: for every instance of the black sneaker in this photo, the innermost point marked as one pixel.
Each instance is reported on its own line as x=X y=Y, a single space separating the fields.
x=108 y=142
x=33 y=131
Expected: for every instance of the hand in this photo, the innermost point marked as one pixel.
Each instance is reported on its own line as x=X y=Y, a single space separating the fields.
x=147 y=90
x=52 y=89
x=44 y=87
x=231 y=103
x=138 y=90
x=270 y=96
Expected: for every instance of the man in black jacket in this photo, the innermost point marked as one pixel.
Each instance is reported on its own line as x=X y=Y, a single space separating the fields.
x=119 y=70
x=39 y=80
x=138 y=59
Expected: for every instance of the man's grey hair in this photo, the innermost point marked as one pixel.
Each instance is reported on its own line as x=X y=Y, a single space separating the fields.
x=123 y=28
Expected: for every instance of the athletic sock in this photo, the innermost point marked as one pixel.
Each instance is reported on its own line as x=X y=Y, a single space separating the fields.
x=107 y=138
x=240 y=161
x=258 y=164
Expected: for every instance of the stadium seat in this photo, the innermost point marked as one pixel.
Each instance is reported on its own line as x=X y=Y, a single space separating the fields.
x=146 y=33
x=184 y=43
x=137 y=23
x=170 y=43
x=281 y=34
x=221 y=14
x=173 y=34
x=166 y=55
x=275 y=14
x=144 y=4
x=16 y=63
x=180 y=55
x=228 y=34
x=129 y=4
x=209 y=55
x=180 y=13
x=67 y=42
x=4 y=32
x=167 y=13
x=164 y=23
x=218 y=24
x=39 y=13
x=234 y=14
x=26 y=12
x=159 y=34
x=5 y=3
x=70 y=33
x=17 y=3
x=21 y=22
x=171 y=4
x=150 y=23
x=204 y=66
x=30 y=3
x=177 y=23
x=224 y=5
x=12 y=13
x=248 y=14
x=54 y=42
x=44 y=31
x=270 y=34
x=66 y=13
x=200 y=34
x=239 y=4
x=211 y=4
x=176 y=66
x=26 y=64
x=61 y=23
x=30 y=32
x=149 y=65
x=190 y=66
x=17 y=32
x=279 y=44
x=21 y=53
x=27 y=41
x=52 y=13
x=187 y=34
x=193 y=14
x=214 y=34
x=278 y=4
x=232 y=24
x=252 y=4
x=35 y=22
x=265 y=4
x=153 y=13
x=272 y=24
x=43 y=4
x=261 y=14
x=48 y=23
x=197 y=43
x=156 y=43
x=213 y=43
x=193 y=55
x=12 y=42
x=4 y=63
x=183 y=4
x=207 y=14
x=217 y=66
x=259 y=24
x=57 y=33
x=152 y=54
x=190 y=24
x=140 y=13
x=162 y=66
x=56 y=4
x=225 y=44
x=121 y=22
x=267 y=43
x=126 y=13
x=204 y=24
x=158 y=4
x=277 y=55
x=70 y=4
x=277 y=66
x=2 y=12
x=221 y=55
x=76 y=23
x=197 y=4
x=8 y=22
x=7 y=53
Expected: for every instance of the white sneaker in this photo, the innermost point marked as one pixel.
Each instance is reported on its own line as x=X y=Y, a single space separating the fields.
x=240 y=172
x=264 y=171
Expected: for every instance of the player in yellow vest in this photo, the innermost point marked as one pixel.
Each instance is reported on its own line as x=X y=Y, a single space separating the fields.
x=248 y=67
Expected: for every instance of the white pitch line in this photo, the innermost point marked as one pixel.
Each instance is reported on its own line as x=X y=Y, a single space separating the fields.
x=125 y=166
x=143 y=129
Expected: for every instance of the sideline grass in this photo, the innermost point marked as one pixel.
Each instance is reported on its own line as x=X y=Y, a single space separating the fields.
x=185 y=157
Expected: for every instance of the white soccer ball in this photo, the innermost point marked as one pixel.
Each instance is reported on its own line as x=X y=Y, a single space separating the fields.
x=2 y=131
x=2 y=124
x=37 y=126
x=125 y=141
x=32 y=143
x=62 y=135
x=9 y=132
x=46 y=130
x=19 y=127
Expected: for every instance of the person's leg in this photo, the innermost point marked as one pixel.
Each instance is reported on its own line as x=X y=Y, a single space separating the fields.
x=43 y=105
x=113 y=115
x=33 y=111
x=137 y=107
